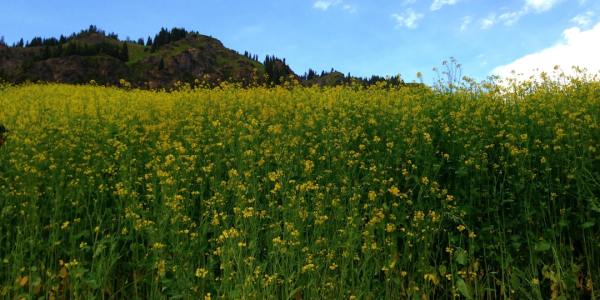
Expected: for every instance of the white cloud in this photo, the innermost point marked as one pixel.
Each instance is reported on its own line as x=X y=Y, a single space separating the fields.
x=511 y=17
x=508 y=18
x=437 y=4
x=583 y=19
x=578 y=48
x=409 y=19
x=540 y=5
x=349 y=8
x=466 y=21
x=488 y=21
x=326 y=4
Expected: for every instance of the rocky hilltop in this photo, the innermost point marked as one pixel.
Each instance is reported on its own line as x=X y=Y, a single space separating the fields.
x=94 y=55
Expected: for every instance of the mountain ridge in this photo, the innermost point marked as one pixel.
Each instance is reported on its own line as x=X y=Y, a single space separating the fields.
x=170 y=58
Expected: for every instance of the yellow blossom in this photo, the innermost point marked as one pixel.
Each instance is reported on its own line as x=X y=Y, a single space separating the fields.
x=308 y=166
x=372 y=196
x=394 y=191
x=201 y=272
x=65 y=225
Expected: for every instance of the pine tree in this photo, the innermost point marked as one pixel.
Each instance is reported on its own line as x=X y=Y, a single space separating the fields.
x=58 y=52
x=71 y=49
x=311 y=74
x=35 y=42
x=124 y=53
x=46 y=53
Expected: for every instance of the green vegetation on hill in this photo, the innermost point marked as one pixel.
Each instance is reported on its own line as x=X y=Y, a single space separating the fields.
x=172 y=56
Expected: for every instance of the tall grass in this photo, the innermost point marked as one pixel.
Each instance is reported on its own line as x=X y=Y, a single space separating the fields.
x=301 y=193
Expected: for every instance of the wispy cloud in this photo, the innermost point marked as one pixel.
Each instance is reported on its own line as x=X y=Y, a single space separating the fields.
x=583 y=19
x=438 y=4
x=327 y=4
x=409 y=19
x=578 y=48
x=349 y=8
x=540 y=5
x=466 y=21
x=511 y=17
x=488 y=21
x=508 y=18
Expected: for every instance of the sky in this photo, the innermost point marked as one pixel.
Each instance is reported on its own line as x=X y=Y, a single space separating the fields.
x=360 y=37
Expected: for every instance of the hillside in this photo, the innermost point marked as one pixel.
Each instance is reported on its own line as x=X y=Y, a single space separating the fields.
x=172 y=56
x=194 y=57
x=94 y=55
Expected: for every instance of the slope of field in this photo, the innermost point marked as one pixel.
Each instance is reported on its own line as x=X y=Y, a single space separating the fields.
x=300 y=193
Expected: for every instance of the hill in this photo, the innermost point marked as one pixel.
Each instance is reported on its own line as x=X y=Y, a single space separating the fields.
x=92 y=54
x=172 y=56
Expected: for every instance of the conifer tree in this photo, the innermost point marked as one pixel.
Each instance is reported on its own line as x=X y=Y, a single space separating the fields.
x=46 y=53
x=124 y=53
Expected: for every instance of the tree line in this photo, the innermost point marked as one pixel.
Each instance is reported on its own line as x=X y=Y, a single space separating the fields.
x=62 y=40
x=277 y=69
x=119 y=51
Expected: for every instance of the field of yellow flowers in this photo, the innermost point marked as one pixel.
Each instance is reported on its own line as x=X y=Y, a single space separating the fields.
x=301 y=193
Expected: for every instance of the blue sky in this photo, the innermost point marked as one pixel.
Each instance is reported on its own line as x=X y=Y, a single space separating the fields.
x=384 y=37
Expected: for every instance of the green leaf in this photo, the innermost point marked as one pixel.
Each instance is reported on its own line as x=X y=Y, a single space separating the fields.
x=588 y=224
x=463 y=289
x=542 y=246
x=516 y=245
x=563 y=223
x=295 y=294
x=461 y=257
x=594 y=204
x=442 y=270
